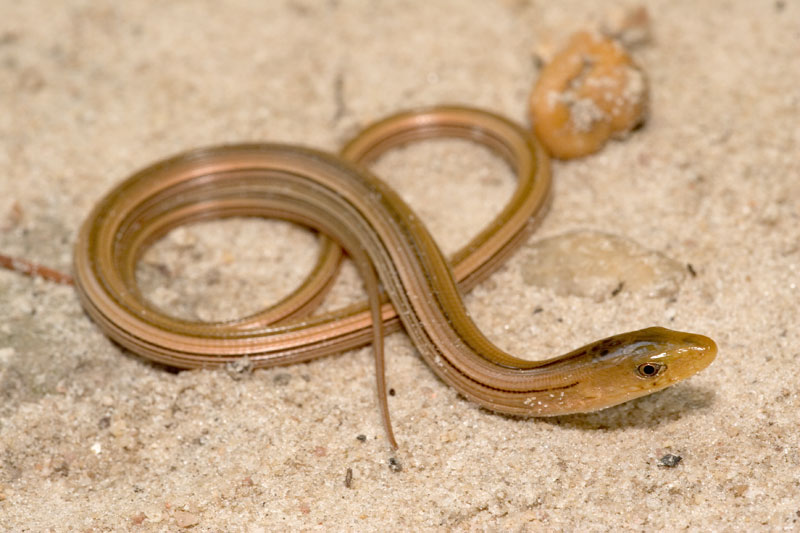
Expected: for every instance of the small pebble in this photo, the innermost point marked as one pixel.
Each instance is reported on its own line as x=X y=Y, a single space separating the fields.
x=6 y=354
x=630 y=26
x=394 y=465
x=599 y=266
x=282 y=379
x=185 y=519
x=670 y=460
x=320 y=451
x=590 y=92
x=240 y=368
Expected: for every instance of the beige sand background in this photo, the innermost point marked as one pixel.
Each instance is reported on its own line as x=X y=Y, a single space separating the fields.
x=95 y=439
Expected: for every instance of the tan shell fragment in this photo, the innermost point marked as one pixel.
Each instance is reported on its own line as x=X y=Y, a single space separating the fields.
x=590 y=91
x=598 y=265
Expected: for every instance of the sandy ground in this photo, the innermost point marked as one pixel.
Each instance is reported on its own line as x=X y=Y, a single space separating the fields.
x=94 y=439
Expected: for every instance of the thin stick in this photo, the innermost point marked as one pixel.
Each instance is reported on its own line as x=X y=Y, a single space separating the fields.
x=34 y=270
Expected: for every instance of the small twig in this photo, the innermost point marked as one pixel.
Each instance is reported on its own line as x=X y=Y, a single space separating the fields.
x=618 y=289
x=34 y=270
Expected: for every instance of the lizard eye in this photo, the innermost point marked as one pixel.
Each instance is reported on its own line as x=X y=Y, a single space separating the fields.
x=650 y=370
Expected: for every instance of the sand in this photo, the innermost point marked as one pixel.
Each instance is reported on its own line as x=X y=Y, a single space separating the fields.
x=93 y=438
